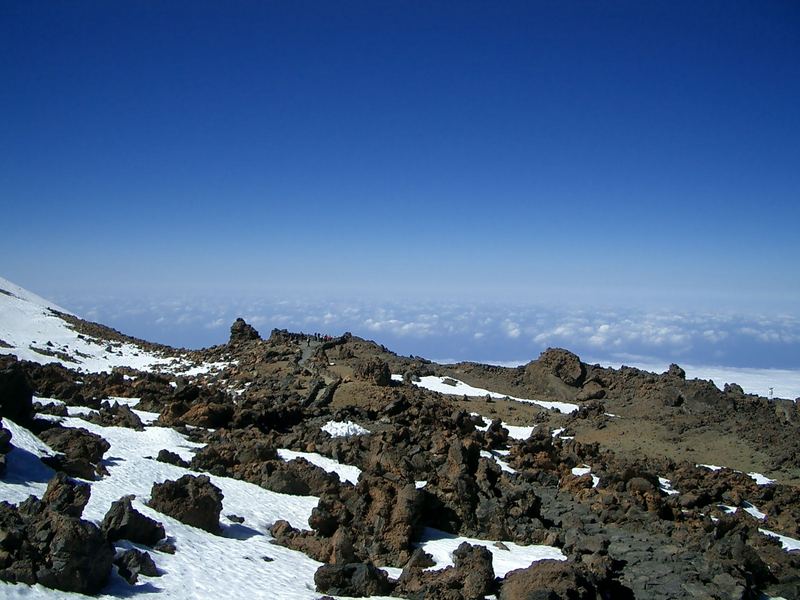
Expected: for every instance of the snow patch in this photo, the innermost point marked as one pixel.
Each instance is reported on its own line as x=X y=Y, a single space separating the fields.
x=454 y=387
x=345 y=472
x=506 y=556
x=515 y=432
x=343 y=429
x=586 y=470
x=761 y=479
x=789 y=544
x=666 y=486
x=493 y=456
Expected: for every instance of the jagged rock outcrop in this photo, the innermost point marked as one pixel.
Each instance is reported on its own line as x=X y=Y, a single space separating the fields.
x=557 y=373
x=132 y=563
x=16 y=392
x=82 y=451
x=116 y=415
x=373 y=370
x=471 y=577
x=471 y=496
x=122 y=521
x=66 y=496
x=193 y=500
x=354 y=579
x=378 y=520
x=45 y=541
x=550 y=580
x=241 y=331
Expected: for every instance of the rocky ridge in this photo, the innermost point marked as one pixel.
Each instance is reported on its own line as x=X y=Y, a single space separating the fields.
x=429 y=462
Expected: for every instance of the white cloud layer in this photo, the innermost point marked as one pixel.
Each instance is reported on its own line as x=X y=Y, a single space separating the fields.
x=478 y=331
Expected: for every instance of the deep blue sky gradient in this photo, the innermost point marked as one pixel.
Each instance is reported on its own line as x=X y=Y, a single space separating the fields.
x=637 y=152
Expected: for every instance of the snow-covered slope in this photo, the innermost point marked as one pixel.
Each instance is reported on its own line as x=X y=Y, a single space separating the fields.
x=31 y=329
x=245 y=562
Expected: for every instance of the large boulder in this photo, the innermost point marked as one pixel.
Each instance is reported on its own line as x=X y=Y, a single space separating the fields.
x=44 y=541
x=208 y=414
x=5 y=447
x=557 y=374
x=82 y=451
x=78 y=557
x=193 y=500
x=354 y=579
x=66 y=496
x=563 y=364
x=122 y=521
x=547 y=580
x=471 y=577
x=132 y=563
x=373 y=370
x=243 y=332
x=16 y=394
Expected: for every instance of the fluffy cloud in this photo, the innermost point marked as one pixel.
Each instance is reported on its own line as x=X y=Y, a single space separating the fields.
x=480 y=331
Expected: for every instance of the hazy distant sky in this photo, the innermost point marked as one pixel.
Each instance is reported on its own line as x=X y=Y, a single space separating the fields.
x=645 y=153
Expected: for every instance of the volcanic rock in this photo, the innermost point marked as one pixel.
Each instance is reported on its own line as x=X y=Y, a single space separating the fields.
x=122 y=521
x=193 y=500
x=208 y=414
x=471 y=577
x=242 y=332
x=373 y=370
x=563 y=364
x=132 y=563
x=547 y=580
x=66 y=496
x=116 y=415
x=171 y=458
x=355 y=579
x=41 y=545
x=16 y=393
x=82 y=451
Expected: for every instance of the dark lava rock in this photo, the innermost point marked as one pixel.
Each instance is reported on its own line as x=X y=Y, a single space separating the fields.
x=565 y=365
x=166 y=546
x=354 y=579
x=547 y=580
x=471 y=577
x=378 y=520
x=208 y=414
x=82 y=450
x=122 y=521
x=5 y=447
x=470 y=495
x=297 y=477
x=193 y=500
x=5 y=439
x=16 y=394
x=66 y=496
x=117 y=415
x=374 y=370
x=676 y=371
x=40 y=545
x=171 y=458
x=133 y=563
x=242 y=332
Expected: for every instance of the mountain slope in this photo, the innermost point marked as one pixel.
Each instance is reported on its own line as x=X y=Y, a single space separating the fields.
x=333 y=456
x=37 y=330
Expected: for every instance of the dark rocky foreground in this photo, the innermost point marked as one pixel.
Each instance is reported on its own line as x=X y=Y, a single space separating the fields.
x=623 y=538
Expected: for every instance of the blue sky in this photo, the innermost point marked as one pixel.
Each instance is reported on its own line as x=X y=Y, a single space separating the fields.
x=603 y=154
